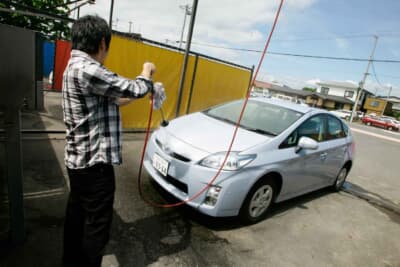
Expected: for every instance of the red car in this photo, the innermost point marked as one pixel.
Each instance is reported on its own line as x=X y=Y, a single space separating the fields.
x=380 y=122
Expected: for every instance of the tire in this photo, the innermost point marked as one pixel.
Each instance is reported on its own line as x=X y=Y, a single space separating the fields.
x=368 y=123
x=390 y=128
x=258 y=201
x=340 y=179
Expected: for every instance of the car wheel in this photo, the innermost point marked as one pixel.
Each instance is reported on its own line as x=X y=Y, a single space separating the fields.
x=390 y=128
x=258 y=201
x=340 y=179
x=368 y=123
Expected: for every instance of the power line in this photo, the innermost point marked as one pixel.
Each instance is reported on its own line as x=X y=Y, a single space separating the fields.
x=301 y=55
x=376 y=77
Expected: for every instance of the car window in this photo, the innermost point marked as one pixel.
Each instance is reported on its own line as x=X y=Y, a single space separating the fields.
x=313 y=128
x=260 y=117
x=335 y=129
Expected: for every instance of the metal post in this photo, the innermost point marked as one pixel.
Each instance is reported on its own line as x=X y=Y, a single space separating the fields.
x=251 y=79
x=363 y=81
x=14 y=175
x=186 y=57
x=186 y=7
x=192 y=85
x=111 y=13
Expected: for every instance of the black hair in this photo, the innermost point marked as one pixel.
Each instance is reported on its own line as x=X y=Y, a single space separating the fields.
x=87 y=33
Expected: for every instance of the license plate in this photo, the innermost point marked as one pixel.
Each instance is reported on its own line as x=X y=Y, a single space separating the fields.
x=160 y=164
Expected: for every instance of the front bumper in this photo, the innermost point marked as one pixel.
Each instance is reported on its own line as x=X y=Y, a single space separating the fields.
x=187 y=179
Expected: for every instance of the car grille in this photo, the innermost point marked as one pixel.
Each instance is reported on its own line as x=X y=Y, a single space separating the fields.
x=178 y=184
x=172 y=153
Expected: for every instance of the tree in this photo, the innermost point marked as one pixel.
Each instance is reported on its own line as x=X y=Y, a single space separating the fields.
x=310 y=89
x=52 y=28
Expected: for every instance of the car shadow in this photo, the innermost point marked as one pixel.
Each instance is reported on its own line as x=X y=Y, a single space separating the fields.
x=230 y=223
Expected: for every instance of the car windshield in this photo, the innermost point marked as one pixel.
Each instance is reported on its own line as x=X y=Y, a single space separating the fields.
x=258 y=116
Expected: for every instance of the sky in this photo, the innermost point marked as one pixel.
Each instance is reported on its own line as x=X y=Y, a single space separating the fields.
x=224 y=28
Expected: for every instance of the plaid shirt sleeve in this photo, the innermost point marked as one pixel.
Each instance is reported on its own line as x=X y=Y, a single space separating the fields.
x=103 y=82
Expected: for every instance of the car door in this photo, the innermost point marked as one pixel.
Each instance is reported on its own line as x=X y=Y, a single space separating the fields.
x=302 y=171
x=334 y=148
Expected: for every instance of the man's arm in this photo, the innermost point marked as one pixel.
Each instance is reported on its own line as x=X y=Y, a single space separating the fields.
x=101 y=81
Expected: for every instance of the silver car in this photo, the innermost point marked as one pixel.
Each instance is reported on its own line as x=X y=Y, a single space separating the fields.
x=281 y=150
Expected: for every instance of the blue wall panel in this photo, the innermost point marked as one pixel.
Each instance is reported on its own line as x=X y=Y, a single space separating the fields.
x=48 y=57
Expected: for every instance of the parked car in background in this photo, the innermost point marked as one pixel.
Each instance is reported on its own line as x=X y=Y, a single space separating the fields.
x=385 y=123
x=392 y=120
x=281 y=150
x=342 y=113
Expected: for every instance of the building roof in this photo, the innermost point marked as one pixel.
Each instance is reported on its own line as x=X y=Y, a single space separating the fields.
x=339 y=99
x=288 y=90
x=279 y=88
x=261 y=84
x=349 y=85
x=393 y=99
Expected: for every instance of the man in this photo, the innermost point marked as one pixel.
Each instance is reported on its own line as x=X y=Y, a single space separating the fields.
x=91 y=98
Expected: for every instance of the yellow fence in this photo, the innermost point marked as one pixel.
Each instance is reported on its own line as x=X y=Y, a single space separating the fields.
x=207 y=83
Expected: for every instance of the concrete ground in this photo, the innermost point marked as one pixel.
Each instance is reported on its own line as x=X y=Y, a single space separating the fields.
x=318 y=229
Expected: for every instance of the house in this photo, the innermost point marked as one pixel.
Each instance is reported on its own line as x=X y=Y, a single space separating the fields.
x=281 y=91
x=344 y=94
x=377 y=106
x=395 y=102
x=329 y=102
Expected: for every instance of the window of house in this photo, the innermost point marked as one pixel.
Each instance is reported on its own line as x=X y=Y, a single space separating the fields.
x=349 y=94
x=374 y=103
x=324 y=90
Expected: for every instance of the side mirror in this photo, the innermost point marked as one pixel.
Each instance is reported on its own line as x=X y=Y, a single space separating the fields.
x=306 y=143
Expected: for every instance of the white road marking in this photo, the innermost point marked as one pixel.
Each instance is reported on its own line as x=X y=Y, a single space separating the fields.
x=376 y=135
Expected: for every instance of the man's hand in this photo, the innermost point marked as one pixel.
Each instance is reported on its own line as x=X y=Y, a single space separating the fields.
x=148 y=70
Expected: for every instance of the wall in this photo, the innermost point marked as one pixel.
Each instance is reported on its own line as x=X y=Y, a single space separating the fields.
x=373 y=109
x=207 y=83
x=347 y=107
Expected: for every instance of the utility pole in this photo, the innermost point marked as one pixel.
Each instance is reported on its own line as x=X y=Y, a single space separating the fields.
x=130 y=25
x=362 y=83
x=188 y=12
x=111 y=13
x=186 y=57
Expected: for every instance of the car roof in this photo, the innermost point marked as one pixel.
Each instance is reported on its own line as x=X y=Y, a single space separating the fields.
x=285 y=104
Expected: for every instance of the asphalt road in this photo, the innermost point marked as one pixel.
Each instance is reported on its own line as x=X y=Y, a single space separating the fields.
x=318 y=229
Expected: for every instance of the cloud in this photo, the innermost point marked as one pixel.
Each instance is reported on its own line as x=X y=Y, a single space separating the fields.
x=342 y=43
x=313 y=82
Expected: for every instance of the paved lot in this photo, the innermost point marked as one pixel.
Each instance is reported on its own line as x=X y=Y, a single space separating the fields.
x=319 y=229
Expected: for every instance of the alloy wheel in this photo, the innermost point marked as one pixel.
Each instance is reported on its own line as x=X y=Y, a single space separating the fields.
x=260 y=201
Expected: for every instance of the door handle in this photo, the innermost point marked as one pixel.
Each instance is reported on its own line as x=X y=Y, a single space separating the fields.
x=323 y=155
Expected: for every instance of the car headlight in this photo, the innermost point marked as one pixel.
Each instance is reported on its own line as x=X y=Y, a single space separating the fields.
x=234 y=161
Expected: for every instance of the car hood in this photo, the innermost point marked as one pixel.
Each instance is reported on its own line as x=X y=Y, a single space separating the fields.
x=205 y=135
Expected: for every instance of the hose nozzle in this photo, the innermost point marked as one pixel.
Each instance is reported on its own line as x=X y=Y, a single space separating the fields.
x=164 y=123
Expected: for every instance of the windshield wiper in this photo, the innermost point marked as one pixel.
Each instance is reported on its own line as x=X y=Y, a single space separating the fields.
x=220 y=118
x=261 y=131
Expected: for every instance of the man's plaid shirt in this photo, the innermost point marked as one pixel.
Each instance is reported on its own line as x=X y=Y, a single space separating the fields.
x=91 y=110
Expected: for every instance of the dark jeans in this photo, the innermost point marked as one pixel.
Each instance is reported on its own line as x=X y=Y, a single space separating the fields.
x=88 y=215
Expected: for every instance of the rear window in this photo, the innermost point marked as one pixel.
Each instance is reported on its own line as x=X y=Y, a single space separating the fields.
x=258 y=116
